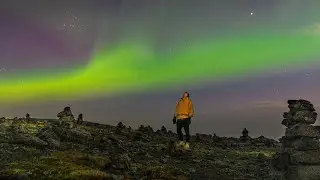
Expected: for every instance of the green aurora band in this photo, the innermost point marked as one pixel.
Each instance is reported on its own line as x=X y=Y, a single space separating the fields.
x=135 y=67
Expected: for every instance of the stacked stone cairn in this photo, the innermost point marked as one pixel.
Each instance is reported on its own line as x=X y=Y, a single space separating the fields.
x=66 y=118
x=80 y=119
x=245 y=135
x=27 y=118
x=300 y=145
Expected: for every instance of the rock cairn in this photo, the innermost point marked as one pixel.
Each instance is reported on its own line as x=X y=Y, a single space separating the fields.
x=245 y=135
x=300 y=111
x=80 y=119
x=300 y=155
x=27 y=118
x=66 y=117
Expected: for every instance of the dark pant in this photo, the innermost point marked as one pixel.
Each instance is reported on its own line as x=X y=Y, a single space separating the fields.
x=183 y=123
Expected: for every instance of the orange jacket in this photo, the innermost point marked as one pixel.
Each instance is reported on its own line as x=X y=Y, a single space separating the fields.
x=184 y=108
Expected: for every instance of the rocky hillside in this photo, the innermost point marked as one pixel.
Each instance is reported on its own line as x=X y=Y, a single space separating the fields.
x=43 y=149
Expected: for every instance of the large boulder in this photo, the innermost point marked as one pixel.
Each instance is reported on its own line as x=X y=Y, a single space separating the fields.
x=301 y=144
x=305 y=117
x=288 y=122
x=300 y=104
x=303 y=158
x=67 y=122
x=302 y=130
x=301 y=111
x=303 y=173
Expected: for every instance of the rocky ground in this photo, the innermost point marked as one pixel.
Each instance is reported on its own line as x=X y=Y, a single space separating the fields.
x=40 y=149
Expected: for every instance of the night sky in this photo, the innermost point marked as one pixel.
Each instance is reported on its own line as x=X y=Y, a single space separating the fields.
x=47 y=36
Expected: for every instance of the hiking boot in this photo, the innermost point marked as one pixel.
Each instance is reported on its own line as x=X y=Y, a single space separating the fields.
x=187 y=146
x=181 y=143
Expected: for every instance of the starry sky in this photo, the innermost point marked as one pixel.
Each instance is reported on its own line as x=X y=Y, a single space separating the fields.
x=49 y=36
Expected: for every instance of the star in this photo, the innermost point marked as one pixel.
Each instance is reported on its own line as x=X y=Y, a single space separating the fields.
x=73 y=22
x=251 y=14
x=276 y=91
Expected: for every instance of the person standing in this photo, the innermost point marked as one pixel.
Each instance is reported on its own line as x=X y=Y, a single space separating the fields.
x=182 y=118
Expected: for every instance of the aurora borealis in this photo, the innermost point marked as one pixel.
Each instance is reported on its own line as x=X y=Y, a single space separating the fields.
x=135 y=67
x=143 y=48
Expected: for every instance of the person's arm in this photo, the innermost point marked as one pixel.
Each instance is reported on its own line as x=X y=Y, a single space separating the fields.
x=174 y=120
x=176 y=111
x=191 y=109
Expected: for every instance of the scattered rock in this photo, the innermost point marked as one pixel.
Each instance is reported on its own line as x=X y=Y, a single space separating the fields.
x=163 y=130
x=48 y=135
x=125 y=154
x=147 y=130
